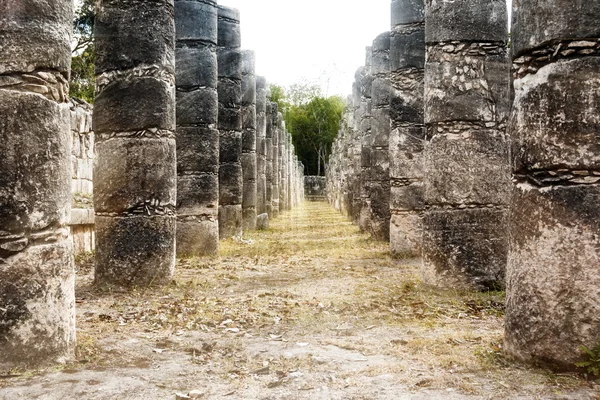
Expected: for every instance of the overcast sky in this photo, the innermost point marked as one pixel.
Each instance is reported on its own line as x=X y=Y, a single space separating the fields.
x=322 y=41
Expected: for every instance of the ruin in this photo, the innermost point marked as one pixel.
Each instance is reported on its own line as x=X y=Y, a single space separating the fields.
x=466 y=151
x=135 y=171
x=379 y=170
x=276 y=177
x=269 y=157
x=184 y=147
x=364 y=120
x=261 y=145
x=197 y=136
x=249 y=141
x=37 y=295
x=230 y=123
x=552 y=273
x=407 y=136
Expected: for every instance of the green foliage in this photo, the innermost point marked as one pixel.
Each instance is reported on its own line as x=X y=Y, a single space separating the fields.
x=592 y=363
x=312 y=120
x=83 y=83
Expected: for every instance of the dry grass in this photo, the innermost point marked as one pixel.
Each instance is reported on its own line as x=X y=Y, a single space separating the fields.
x=312 y=277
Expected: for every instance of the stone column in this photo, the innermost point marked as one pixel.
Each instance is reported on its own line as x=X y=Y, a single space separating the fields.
x=355 y=184
x=407 y=138
x=269 y=158
x=283 y=167
x=37 y=295
x=135 y=170
x=249 y=166
x=380 y=138
x=552 y=274
x=365 y=118
x=229 y=58
x=197 y=136
x=261 y=144
x=466 y=156
x=276 y=170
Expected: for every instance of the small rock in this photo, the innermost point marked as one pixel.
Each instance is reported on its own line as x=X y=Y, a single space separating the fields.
x=262 y=222
x=196 y=394
x=181 y=396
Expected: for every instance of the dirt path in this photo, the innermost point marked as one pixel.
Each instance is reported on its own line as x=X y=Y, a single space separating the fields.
x=309 y=310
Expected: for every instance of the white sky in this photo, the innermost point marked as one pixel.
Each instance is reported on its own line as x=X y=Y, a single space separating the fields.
x=320 y=41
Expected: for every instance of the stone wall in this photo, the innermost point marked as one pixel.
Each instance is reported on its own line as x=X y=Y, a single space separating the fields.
x=82 y=228
x=315 y=188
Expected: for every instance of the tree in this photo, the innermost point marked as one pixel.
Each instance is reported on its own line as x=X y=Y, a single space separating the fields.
x=82 y=83
x=312 y=120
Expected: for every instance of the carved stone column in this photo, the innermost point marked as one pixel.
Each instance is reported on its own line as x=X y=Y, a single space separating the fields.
x=229 y=58
x=135 y=171
x=553 y=278
x=37 y=294
x=467 y=177
x=197 y=134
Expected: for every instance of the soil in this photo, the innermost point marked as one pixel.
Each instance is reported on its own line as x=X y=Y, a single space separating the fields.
x=311 y=309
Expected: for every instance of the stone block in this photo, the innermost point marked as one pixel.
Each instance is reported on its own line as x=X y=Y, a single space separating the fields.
x=231 y=146
x=467 y=21
x=135 y=250
x=380 y=95
x=229 y=33
x=406 y=235
x=198 y=237
x=407 y=105
x=408 y=198
x=230 y=184
x=135 y=105
x=38 y=305
x=35 y=142
x=230 y=118
x=552 y=277
x=553 y=129
x=197 y=150
x=35 y=36
x=132 y=172
x=262 y=222
x=467 y=169
x=230 y=63
x=230 y=221
x=196 y=21
x=406 y=152
x=460 y=88
x=407 y=12
x=125 y=41
x=380 y=127
x=198 y=194
x=197 y=107
x=196 y=67
x=407 y=50
x=536 y=26
x=465 y=248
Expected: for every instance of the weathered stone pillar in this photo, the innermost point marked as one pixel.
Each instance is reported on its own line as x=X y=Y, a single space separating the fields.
x=407 y=138
x=380 y=139
x=276 y=170
x=356 y=181
x=135 y=171
x=37 y=294
x=365 y=118
x=229 y=58
x=269 y=158
x=283 y=167
x=197 y=136
x=249 y=166
x=467 y=175
x=553 y=305
x=261 y=144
